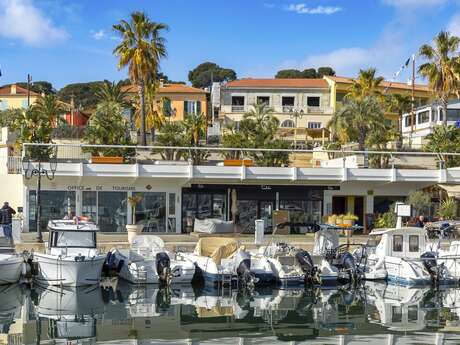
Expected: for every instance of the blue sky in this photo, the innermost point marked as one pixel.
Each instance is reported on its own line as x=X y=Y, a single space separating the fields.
x=72 y=41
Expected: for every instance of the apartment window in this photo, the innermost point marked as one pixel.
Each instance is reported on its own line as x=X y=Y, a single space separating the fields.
x=263 y=100
x=340 y=96
x=397 y=243
x=314 y=125
x=288 y=103
x=453 y=114
x=408 y=121
x=423 y=117
x=237 y=103
x=287 y=124
x=192 y=107
x=167 y=109
x=441 y=114
x=413 y=244
x=313 y=101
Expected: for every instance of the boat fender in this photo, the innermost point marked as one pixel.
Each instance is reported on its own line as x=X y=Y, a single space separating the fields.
x=163 y=266
x=305 y=261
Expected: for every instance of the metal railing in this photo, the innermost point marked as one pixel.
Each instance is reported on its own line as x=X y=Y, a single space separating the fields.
x=238 y=108
x=14 y=165
x=264 y=157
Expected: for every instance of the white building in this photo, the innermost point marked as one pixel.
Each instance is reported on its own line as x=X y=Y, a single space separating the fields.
x=425 y=119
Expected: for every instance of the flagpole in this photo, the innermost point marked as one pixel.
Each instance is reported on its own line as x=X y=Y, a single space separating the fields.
x=413 y=95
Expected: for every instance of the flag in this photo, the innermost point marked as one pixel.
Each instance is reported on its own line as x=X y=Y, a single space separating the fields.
x=407 y=62
x=0 y=72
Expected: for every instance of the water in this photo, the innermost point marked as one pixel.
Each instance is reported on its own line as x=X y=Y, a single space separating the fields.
x=375 y=313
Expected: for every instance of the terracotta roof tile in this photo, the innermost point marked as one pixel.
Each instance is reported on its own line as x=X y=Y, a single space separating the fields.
x=169 y=88
x=303 y=83
x=6 y=91
x=393 y=85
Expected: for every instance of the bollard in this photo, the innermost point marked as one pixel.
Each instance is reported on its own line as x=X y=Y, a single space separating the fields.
x=259 y=232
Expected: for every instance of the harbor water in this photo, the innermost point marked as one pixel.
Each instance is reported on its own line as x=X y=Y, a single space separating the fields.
x=122 y=313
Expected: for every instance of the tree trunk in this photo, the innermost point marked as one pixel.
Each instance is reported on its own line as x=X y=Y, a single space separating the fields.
x=361 y=140
x=140 y=90
x=445 y=102
x=399 y=142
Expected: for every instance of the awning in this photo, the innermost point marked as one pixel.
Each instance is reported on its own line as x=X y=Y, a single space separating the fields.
x=453 y=190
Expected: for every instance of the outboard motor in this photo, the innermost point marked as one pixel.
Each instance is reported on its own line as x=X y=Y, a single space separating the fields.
x=346 y=261
x=306 y=263
x=243 y=270
x=163 y=268
x=430 y=263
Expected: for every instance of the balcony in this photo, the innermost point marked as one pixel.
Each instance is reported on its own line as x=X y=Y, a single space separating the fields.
x=286 y=109
x=238 y=108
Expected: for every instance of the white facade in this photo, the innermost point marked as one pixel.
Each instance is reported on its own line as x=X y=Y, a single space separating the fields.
x=426 y=118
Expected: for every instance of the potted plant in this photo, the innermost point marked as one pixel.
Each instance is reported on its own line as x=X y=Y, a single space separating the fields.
x=134 y=229
x=331 y=219
x=339 y=219
x=349 y=219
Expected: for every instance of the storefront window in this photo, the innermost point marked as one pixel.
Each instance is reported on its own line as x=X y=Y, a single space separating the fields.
x=247 y=214
x=89 y=205
x=151 y=211
x=302 y=211
x=112 y=211
x=54 y=205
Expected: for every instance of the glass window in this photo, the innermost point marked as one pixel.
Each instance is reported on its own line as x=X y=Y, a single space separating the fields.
x=412 y=313
x=302 y=211
x=247 y=214
x=397 y=243
x=65 y=239
x=3 y=104
x=219 y=202
x=202 y=205
x=314 y=125
x=408 y=121
x=413 y=243
x=172 y=204
x=237 y=100
x=340 y=96
x=396 y=313
x=453 y=114
x=287 y=124
x=24 y=103
x=423 y=117
x=112 y=211
x=151 y=211
x=54 y=205
x=89 y=205
x=313 y=101
x=287 y=101
x=263 y=100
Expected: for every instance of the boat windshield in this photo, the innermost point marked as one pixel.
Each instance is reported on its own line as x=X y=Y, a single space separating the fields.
x=68 y=239
x=374 y=240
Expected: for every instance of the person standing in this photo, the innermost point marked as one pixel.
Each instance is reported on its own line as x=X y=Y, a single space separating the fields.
x=420 y=222
x=7 y=213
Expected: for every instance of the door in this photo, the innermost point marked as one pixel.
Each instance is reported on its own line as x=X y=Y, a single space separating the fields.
x=359 y=209
x=339 y=205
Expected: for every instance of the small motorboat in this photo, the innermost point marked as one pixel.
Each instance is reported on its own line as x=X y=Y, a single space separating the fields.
x=148 y=262
x=294 y=266
x=71 y=257
x=12 y=267
x=221 y=261
x=399 y=256
x=326 y=247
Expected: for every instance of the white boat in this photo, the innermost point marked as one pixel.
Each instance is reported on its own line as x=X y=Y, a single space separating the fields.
x=71 y=257
x=12 y=266
x=148 y=262
x=399 y=256
x=326 y=247
x=294 y=266
x=221 y=261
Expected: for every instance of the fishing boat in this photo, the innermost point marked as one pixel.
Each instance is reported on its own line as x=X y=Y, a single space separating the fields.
x=12 y=267
x=399 y=256
x=221 y=261
x=71 y=256
x=148 y=262
x=294 y=266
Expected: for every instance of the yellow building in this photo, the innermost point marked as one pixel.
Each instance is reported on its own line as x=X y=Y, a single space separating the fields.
x=13 y=97
x=182 y=99
x=340 y=86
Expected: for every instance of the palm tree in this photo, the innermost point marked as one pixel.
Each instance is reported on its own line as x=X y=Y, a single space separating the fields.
x=112 y=92
x=195 y=128
x=260 y=124
x=357 y=118
x=154 y=117
x=50 y=107
x=367 y=84
x=399 y=103
x=442 y=68
x=141 y=49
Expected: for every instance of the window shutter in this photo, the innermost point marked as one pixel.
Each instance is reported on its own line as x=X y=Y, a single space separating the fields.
x=198 y=107
x=185 y=108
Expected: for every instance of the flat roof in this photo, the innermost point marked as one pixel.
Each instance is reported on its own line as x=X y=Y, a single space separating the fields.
x=168 y=88
x=383 y=84
x=301 y=83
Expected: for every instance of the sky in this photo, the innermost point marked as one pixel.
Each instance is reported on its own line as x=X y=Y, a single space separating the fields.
x=70 y=41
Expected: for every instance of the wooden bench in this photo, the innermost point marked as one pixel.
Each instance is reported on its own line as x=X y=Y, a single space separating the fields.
x=238 y=162
x=106 y=160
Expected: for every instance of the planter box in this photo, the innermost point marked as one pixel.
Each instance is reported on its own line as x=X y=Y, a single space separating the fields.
x=106 y=160
x=238 y=162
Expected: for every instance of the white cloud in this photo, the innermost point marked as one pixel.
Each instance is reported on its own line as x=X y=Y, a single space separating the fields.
x=454 y=25
x=98 y=35
x=341 y=59
x=20 y=19
x=303 y=9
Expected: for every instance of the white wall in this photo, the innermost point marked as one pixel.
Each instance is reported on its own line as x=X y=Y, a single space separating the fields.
x=11 y=190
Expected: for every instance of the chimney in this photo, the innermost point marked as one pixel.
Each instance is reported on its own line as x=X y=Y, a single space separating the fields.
x=162 y=83
x=13 y=89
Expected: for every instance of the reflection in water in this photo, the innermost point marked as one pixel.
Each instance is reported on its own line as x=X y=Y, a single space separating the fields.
x=128 y=314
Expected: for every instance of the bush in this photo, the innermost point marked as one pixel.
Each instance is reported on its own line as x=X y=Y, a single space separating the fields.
x=448 y=208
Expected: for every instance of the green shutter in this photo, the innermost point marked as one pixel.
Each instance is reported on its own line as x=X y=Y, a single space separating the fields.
x=198 y=107
x=185 y=108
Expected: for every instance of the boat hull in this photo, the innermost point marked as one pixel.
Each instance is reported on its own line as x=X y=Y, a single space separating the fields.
x=66 y=271
x=11 y=269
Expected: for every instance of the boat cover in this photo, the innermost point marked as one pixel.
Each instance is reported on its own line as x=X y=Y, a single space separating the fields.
x=216 y=248
x=152 y=242
x=325 y=239
x=213 y=226
x=216 y=311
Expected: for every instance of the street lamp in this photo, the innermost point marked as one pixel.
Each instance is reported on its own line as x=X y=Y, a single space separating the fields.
x=30 y=171
x=295 y=114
